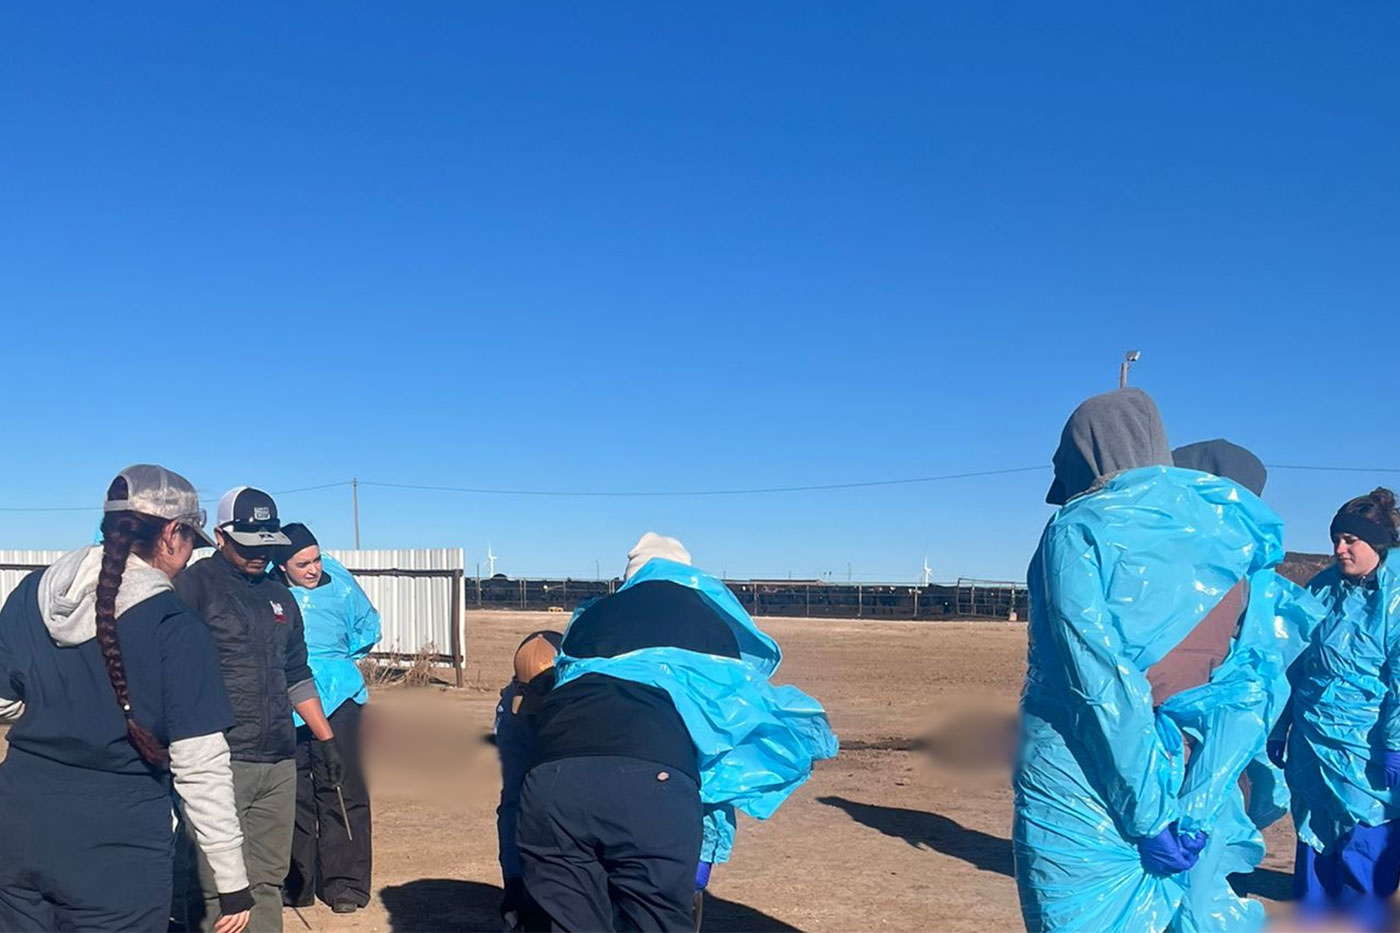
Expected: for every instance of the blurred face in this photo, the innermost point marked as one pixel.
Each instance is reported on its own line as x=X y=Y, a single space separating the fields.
x=173 y=549
x=304 y=568
x=252 y=561
x=1355 y=558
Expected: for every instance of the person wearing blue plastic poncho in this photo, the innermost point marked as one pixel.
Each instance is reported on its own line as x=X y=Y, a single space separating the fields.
x=1147 y=567
x=1341 y=743
x=331 y=847
x=662 y=723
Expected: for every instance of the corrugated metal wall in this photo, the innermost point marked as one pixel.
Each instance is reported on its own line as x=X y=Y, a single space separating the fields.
x=416 y=611
x=9 y=579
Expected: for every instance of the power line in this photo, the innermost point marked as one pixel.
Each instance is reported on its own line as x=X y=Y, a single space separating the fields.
x=692 y=493
x=1333 y=469
x=762 y=490
x=93 y=508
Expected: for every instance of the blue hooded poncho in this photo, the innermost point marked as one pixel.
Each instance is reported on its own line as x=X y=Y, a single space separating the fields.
x=756 y=742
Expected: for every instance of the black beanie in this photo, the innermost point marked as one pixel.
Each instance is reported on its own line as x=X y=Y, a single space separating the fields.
x=300 y=538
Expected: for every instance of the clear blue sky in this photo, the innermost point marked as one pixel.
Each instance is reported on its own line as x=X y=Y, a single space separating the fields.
x=660 y=246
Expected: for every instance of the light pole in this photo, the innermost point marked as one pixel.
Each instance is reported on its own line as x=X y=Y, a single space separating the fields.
x=1129 y=358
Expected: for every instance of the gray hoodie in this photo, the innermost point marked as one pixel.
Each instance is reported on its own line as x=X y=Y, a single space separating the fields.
x=68 y=593
x=199 y=766
x=1107 y=434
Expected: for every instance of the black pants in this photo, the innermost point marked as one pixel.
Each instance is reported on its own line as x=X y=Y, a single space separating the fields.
x=611 y=843
x=325 y=860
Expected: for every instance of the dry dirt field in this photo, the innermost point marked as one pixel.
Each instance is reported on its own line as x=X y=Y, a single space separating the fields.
x=908 y=829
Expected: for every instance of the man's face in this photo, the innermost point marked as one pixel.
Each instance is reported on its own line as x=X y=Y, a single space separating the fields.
x=252 y=561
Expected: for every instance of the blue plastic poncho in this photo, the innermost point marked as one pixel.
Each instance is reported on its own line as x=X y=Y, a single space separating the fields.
x=342 y=627
x=1122 y=574
x=756 y=741
x=1346 y=709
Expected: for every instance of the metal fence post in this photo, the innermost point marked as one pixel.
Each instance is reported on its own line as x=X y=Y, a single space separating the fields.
x=459 y=637
x=860 y=600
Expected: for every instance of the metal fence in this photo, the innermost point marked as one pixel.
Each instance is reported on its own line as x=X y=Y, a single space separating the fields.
x=964 y=599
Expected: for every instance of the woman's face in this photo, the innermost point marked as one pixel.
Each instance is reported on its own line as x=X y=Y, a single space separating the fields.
x=304 y=567
x=1355 y=558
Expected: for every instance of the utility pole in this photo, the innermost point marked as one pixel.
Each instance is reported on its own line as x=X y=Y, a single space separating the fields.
x=355 y=499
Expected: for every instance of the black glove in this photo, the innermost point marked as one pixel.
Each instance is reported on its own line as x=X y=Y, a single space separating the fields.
x=513 y=900
x=326 y=763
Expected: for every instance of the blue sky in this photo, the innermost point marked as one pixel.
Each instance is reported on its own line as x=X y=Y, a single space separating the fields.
x=655 y=247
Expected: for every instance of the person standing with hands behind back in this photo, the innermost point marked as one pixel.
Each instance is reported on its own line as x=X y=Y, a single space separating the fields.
x=1339 y=743
x=258 y=630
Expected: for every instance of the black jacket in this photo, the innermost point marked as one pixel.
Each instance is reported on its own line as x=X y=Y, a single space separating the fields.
x=596 y=714
x=257 y=628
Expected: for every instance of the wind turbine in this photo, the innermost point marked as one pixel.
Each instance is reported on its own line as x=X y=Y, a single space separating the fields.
x=490 y=561
x=928 y=571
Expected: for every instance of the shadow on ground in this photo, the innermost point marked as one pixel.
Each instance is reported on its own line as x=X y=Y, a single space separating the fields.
x=931 y=831
x=433 y=905
x=1264 y=882
x=992 y=853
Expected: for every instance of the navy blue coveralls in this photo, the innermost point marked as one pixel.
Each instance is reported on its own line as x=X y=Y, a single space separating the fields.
x=86 y=834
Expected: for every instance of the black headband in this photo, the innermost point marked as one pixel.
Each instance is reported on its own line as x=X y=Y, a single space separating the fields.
x=1373 y=533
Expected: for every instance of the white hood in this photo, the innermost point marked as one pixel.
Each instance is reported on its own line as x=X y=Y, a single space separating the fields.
x=68 y=593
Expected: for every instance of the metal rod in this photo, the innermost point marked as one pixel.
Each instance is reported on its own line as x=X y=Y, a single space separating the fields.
x=344 y=814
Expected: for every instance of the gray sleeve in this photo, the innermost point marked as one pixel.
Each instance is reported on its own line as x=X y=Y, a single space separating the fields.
x=204 y=780
x=10 y=710
x=301 y=691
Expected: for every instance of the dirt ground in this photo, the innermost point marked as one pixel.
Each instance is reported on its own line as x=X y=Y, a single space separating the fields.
x=908 y=829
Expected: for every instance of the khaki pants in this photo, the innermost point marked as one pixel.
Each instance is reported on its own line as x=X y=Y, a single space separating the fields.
x=266 y=797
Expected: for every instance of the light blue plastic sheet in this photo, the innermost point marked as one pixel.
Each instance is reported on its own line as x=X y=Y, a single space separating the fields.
x=1121 y=576
x=756 y=741
x=1346 y=709
x=342 y=627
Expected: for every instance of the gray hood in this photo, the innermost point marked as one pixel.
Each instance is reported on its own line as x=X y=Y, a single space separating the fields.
x=1107 y=434
x=68 y=593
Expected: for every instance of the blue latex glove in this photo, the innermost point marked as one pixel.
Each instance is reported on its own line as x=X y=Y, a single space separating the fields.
x=1275 y=750
x=702 y=875
x=1170 y=852
x=1392 y=769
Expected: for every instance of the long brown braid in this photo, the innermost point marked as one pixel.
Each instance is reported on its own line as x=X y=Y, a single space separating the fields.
x=123 y=533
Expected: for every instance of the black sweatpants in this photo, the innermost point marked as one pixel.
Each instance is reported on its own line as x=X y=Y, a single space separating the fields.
x=325 y=860
x=611 y=843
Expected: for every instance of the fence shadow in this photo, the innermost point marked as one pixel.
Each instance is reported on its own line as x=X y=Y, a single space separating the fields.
x=931 y=831
x=434 y=905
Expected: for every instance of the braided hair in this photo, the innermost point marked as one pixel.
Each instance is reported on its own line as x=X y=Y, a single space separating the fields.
x=124 y=533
